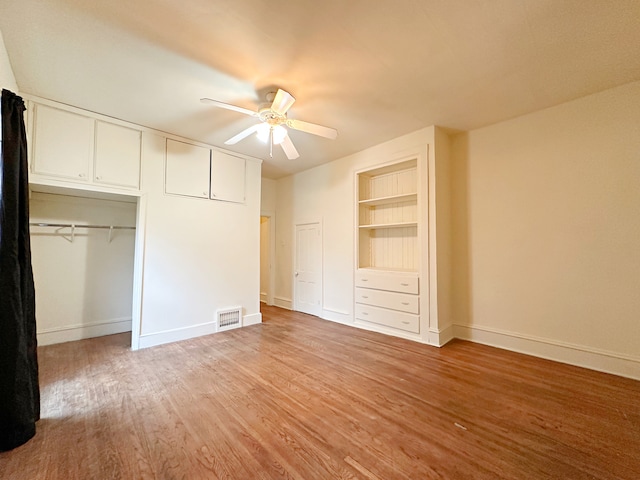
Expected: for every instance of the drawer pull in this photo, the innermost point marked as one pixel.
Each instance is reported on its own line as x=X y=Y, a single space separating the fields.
x=404 y=284
x=365 y=313
x=365 y=296
x=405 y=303
x=406 y=323
x=364 y=280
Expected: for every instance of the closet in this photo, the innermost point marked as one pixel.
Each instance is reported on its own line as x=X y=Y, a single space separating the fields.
x=83 y=260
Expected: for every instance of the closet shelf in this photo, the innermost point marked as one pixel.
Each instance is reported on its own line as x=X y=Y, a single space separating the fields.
x=388 y=225
x=372 y=202
x=71 y=225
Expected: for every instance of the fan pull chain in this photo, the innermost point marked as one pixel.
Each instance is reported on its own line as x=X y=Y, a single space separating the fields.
x=271 y=142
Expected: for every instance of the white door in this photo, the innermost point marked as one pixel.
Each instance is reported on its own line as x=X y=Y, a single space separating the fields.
x=308 y=269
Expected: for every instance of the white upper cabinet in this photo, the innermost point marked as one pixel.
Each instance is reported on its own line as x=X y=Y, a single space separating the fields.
x=117 y=158
x=227 y=177
x=62 y=143
x=187 y=169
x=71 y=147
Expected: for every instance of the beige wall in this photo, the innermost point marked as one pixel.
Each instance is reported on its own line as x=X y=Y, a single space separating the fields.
x=547 y=232
x=7 y=80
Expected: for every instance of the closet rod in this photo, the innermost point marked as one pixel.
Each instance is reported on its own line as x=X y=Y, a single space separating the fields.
x=69 y=225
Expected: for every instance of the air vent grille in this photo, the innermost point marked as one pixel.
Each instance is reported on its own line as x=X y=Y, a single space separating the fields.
x=229 y=318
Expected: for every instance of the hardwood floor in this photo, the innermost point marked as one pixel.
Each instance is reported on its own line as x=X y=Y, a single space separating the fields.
x=301 y=398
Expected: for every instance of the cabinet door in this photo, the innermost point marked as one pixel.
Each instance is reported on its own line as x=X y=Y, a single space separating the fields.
x=117 y=160
x=62 y=143
x=227 y=177
x=187 y=170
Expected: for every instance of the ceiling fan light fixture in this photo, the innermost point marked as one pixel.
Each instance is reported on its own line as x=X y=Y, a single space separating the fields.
x=263 y=131
x=279 y=132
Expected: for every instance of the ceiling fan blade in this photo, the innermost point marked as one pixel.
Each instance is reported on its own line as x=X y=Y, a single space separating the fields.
x=228 y=106
x=289 y=149
x=282 y=102
x=312 y=128
x=243 y=134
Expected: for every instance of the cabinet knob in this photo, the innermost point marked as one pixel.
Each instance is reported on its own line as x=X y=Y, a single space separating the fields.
x=205 y=194
x=99 y=177
x=81 y=175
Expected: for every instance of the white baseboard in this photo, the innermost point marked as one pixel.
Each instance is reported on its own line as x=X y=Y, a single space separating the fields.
x=71 y=333
x=185 y=333
x=439 y=338
x=263 y=297
x=581 y=356
x=283 y=302
x=338 y=316
x=252 y=319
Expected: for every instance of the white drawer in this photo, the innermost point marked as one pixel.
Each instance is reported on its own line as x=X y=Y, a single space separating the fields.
x=381 y=298
x=389 y=318
x=393 y=282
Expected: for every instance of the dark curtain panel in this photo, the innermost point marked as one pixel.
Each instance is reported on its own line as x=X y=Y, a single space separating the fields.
x=19 y=389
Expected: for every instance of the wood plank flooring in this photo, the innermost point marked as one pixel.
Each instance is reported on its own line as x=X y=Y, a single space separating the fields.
x=301 y=398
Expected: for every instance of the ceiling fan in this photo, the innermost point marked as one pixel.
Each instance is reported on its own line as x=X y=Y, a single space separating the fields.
x=273 y=120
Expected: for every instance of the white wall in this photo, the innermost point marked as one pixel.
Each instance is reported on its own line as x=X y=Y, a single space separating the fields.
x=84 y=286
x=268 y=195
x=200 y=255
x=547 y=232
x=7 y=79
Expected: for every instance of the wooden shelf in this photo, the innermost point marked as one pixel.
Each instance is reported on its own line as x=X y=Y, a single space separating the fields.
x=372 y=202
x=389 y=225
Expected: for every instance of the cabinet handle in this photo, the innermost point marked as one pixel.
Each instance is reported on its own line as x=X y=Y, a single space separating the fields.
x=405 y=303
x=205 y=194
x=364 y=280
x=406 y=323
x=365 y=296
x=404 y=284
x=99 y=177
x=81 y=175
x=365 y=313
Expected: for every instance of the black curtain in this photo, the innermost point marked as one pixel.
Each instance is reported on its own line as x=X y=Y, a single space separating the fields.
x=19 y=389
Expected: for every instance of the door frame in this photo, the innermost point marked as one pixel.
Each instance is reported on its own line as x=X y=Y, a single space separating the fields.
x=300 y=222
x=272 y=253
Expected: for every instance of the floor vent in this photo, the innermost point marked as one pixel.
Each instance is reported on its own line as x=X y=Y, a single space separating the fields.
x=229 y=318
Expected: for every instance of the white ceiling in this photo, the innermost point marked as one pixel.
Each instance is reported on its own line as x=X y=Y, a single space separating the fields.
x=374 y=70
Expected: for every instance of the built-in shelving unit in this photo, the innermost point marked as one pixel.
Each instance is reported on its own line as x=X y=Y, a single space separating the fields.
x=388 y=217
x=387 y=281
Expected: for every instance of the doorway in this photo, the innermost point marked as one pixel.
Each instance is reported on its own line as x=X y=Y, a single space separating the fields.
x=267 y=255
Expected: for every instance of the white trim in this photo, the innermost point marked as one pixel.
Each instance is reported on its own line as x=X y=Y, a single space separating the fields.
x=193 y=331
x=70 y=333
x=138 y=269
x=338 y=316
x=439 y=338
x=282 y=302
x=253 y=319
x=176 y=334
x=268 y=296
x=581 y=356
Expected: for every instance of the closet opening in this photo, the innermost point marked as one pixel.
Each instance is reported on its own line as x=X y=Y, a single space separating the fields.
x=83 y=255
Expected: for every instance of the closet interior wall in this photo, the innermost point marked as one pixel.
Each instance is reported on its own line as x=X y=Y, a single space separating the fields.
x=84 y=281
